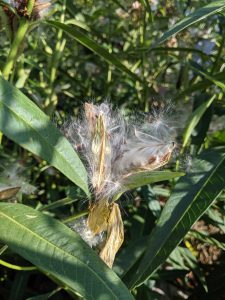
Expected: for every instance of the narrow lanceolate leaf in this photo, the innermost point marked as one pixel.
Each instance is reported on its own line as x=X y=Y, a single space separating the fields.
x=57 y=250
x=23 y=122
x=146 y=177
x=195 y=118
x=143 y=178
x=206 y=238
x=139 y=179
x=203 y=84
x=209 y=77
x=86 y=41
x=198 y=15
x=192 y=195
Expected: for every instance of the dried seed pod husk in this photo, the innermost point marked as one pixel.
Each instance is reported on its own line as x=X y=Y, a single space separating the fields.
x=115 y=236
x=99 y=214
x=100 y=148
x=8 y=192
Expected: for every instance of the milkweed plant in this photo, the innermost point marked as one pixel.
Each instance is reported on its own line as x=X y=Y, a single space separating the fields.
x=65 y=225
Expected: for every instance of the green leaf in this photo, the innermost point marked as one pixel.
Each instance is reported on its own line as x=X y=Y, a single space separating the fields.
x=204 y=84
x=198 y=15
x=23 y=122
x=216 y=137
x=146 y=177
x=143 y=178
x=57 y=250
x=18 y=289
x=93 y=46
x=45 y=296
x=192 y=195
x=128 y=256
x=216 y=218
x=57 y=204
x=78 y=23
x=195 y=118
x=187 y=261
x=209 y=77
x=204 y=237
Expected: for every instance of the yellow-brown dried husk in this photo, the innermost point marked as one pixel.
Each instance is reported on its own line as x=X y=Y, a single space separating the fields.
x=98 y=216
x=115 y=236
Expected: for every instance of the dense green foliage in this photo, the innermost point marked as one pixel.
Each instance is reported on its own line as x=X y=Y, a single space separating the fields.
x=139 y=56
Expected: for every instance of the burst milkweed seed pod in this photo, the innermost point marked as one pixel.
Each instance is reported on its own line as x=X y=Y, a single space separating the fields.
x=20 y=8
x=114 y=149
x=12 y=10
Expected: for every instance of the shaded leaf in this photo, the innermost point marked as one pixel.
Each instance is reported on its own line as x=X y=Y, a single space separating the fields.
x=209 y=77
x=203 y=84
x=195 y=118
x=205 y=238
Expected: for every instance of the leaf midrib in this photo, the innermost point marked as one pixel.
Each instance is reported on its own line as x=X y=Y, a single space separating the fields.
x=56 y=247
x=33 y=128
x=189 y=206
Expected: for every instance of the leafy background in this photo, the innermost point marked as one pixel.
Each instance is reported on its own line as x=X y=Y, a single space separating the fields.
x=138 y=55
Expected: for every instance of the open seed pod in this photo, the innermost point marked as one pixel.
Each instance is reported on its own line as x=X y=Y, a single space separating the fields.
x=115 y=151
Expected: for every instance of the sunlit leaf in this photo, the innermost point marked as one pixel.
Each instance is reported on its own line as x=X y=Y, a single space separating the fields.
x=89 y=43
x=23 y=122
x=57 y=250
x=197 y=16
x=145 y=177
x=192 y=195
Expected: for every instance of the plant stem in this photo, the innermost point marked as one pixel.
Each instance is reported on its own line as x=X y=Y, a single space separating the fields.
x=75 y=217
x=15 y=267
x=11 y=59
x=143 y=63
x=30 y=6
x=5 y=23
x=52 y=99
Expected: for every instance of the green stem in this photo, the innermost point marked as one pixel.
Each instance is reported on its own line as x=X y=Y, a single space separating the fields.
x=75 y=217
x=5 y=22
x=15 y=267
x=11 y=59
x=143 y=61
x=52 y=100
x=30 y=6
